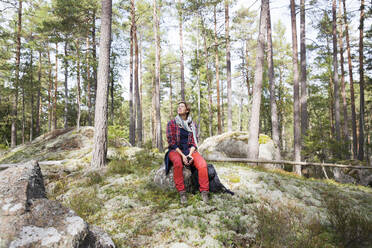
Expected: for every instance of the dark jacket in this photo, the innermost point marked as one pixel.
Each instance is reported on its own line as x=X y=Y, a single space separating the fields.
x=173 y=137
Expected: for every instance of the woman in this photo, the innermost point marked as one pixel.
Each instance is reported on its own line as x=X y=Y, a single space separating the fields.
x=182 y=141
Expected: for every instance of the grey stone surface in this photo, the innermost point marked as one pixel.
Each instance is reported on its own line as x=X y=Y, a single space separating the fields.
x=166 y=182
x=235 y=145
x=29 y=219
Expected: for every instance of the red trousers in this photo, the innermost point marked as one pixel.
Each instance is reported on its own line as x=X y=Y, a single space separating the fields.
x=200 y=165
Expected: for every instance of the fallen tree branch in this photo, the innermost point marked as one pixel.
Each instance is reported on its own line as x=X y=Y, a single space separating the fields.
x=261 y=161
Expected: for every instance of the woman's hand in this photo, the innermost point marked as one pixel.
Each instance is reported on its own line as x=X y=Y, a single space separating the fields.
x=184 y=159
x=191 y=159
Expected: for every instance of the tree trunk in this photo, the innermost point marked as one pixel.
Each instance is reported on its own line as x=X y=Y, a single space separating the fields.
x=50 y=85
x=228 y=65
x=296 y=102
x=361 y=84
x=159 y=138
x=66 y=87
x=94 y=55
x=18 y=59
x=110 y=88
x=23 y=114
x=198 y=74
x=209 y=81
x=140 y=88
x=352 y=97
x=153 y=112
x=38 y=109
x=78 y=83
x=136 y=82
x=335 y=73
x=88 y=84
x=343 y=91
x=217 y=65
x=55 y=92
x=100 y=119
x=181 y=51
x=274 y=112
x=132 y=123
x=170 y=97
x=32 y=97
x=303 y=102
x=253 y=145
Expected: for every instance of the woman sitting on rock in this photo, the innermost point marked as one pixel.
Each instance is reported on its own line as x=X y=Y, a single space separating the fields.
x=182 y=141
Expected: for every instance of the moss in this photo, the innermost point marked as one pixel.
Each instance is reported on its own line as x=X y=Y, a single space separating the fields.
x=233 y=178
x=86 y=203
x=263 y=139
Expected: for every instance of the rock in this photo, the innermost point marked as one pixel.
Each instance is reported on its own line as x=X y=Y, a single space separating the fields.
x=29 y=219
x=235 y=145
x=97 y=238
x=166 y=182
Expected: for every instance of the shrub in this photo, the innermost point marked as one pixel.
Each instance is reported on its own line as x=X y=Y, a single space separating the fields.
x=85 y=203
x=350 y=224
x=94 y=178
x=116 y=134
x=283 y=226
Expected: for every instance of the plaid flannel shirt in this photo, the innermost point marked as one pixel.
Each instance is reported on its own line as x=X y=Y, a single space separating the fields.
x=173 y=135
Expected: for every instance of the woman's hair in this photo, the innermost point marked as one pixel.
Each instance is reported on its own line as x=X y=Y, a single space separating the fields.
x=188 y=107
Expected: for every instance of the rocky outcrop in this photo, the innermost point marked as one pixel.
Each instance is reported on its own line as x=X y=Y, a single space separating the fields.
x=29 y=219
x=166 y=182
x=235 y=145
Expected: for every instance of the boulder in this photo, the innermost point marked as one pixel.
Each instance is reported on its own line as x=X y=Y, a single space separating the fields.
x=29 y=219
x=235 y=145
x=166 y=182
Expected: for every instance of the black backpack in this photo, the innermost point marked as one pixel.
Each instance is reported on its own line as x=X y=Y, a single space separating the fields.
x=215 y=184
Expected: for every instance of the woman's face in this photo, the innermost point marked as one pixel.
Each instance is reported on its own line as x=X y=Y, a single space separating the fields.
x=181 y=110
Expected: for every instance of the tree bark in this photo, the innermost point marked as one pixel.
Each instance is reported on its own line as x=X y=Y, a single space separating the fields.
x=50 y=85
x=296 y=102
x=65 y=125
x=159 y=138
x=111 y=77
x=94 y=55
x=100 y=119
x=253 y=145
x=361 y=84
x=38 y=110
x=209 y=81
x=32 y=97
x=217 y=65
x=343 y=91
x=88 y=84
x=136 y=82
x=274 y=112
x=352 y=97
x=132 y=117
x=18 y=59
x=181 y=51
x=335 y=73
x=303 y=102
x=228 y=65
x=170 y=97
x=23 y=114
x=78 y=83
x=55 y=91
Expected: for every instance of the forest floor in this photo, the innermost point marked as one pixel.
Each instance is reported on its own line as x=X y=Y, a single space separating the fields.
x=269 y=208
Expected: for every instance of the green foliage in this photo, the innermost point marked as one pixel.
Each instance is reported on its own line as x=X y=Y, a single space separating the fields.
x=319 y=146
x=142 y=162
x=117 y=134
x=350 y=224
x=94 y=178
x=284 y=226
x=263 y=139
x=85 y=203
